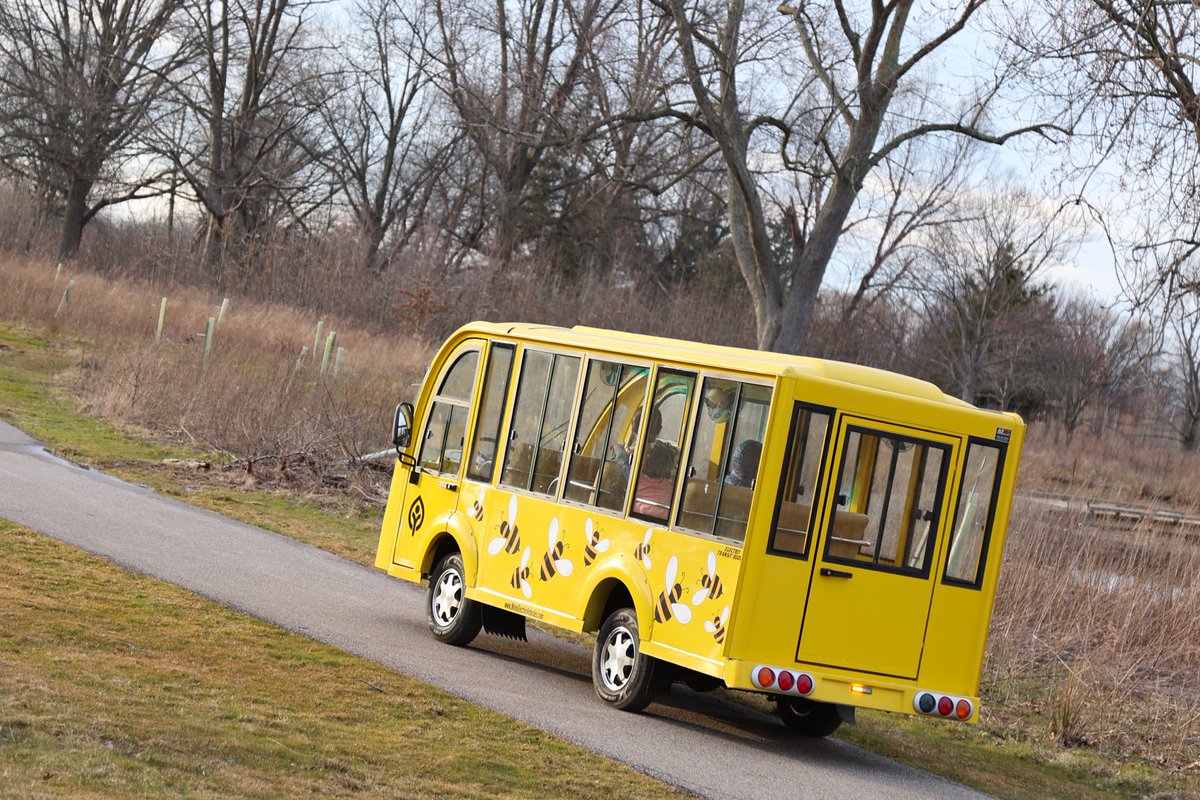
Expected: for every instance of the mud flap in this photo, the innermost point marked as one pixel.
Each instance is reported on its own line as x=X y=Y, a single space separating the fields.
x=499 y=622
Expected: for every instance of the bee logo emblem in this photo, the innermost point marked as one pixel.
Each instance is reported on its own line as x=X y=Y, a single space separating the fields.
x=520 y=576
x=668 y=604
x=716 y=625
x=477 y=507
x=595 y=545
x=711 y=584
x=509 y=539
x=553 y=562
x=642 y=551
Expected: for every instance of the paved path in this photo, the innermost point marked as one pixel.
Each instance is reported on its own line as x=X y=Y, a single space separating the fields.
x=709 y=747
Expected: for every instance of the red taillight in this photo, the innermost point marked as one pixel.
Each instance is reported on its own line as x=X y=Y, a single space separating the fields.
x=766 y=677
x=786 y=681
x=804 y=684
x=944 y=705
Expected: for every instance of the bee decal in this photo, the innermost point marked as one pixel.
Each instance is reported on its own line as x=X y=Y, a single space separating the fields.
x=668 y=604
x=711 y=584
x=520 y=576
x=716 y=625
x=642 y=551
x=595 y=545
x=509 y=539
x=477 y=507
x=553 y=562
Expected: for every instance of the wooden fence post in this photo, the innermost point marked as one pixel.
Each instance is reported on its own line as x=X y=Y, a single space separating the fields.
x=62 y=304
x=162 y=315
x=329 y=343
x=337 y=361
x=208 y=339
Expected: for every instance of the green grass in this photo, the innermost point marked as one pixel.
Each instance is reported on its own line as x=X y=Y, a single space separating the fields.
x=1010 y=754
x=116 y=685
x=998 y=760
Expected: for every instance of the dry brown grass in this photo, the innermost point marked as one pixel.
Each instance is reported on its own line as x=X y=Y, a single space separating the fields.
x=1112 y=467
x=253 y=399
x=1096 y=634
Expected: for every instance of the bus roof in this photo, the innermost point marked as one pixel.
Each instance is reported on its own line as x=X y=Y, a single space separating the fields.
x=734 y=359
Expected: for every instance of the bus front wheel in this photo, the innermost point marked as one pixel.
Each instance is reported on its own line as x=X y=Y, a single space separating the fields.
x=453 y=618
x=622 y=674
x=808 y=716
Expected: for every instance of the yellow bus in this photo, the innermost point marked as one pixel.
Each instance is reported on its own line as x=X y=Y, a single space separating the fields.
x=824 y=533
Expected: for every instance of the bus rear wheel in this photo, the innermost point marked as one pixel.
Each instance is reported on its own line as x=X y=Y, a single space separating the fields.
x=808 y=716
x=622 y=674
x=453 y=618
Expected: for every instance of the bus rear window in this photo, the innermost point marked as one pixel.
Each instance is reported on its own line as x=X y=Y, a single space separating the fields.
x=888 y=502
x=973 y=517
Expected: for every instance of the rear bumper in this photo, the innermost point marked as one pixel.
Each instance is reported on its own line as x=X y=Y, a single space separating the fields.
x=861 y=691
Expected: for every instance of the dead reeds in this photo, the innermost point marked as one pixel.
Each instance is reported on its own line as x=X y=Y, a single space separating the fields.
x=1096 y=632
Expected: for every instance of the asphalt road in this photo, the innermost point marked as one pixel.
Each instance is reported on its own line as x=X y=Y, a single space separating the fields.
x=707 y=746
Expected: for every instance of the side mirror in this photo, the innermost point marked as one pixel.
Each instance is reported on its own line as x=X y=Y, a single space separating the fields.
x=402 y=427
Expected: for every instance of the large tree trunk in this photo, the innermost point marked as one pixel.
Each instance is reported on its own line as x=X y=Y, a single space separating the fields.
x=74 y=217
x=810 y=258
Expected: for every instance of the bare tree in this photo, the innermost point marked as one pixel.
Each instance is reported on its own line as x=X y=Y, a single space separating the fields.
x=909 y=198
x=247 y=106
x=384 y=148
x=1129 y=66
x=515 y=74
x=79 y=80
x=1097 y=357
x=841 y=123
x=982 y=297
x=1184 y=325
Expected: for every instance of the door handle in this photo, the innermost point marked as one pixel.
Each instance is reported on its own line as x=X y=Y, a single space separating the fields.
x=835 y=573
x=447 y=485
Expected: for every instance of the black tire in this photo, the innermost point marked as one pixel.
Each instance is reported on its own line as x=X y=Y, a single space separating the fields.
x=453 y=618
x=808 y=716
x=622 y=674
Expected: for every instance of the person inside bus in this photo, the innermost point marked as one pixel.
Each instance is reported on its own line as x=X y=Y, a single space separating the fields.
x=743 y=463
x=655 y=485
x=622 y=452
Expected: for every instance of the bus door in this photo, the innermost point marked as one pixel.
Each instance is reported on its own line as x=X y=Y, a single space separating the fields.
x=432 y=489
x=869 y=599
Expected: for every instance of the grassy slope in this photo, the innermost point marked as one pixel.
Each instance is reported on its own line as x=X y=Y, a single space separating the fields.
x=118 y=685
x=989 y=756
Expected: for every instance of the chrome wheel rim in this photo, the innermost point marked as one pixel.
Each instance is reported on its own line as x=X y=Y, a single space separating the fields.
x=617 y=659
x=447 y=598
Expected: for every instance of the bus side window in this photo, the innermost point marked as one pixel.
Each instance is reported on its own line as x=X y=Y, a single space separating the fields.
x=719 y=487
x=446 y=429
x=798 y=485
x=481 y=467
x=658 y=471
x=599 y=470
x=541 y=416
x=973 y=517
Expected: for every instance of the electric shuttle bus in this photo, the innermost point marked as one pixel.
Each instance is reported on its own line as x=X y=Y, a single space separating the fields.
x=827 y=534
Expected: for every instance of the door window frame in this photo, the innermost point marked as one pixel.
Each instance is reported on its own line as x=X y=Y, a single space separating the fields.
x=818 y=488
x=864 y=427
